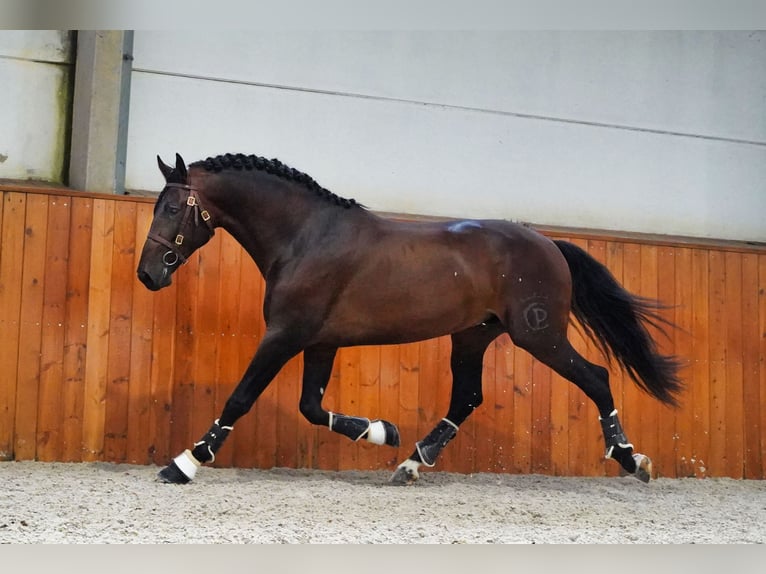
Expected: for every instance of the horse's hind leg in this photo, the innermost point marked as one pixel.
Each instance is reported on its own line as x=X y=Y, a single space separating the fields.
x=317 y=367
x=558 y=353
x=466 y=363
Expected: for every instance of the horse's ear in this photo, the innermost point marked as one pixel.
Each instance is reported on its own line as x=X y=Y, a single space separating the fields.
x=181 y=168
x=165 y=169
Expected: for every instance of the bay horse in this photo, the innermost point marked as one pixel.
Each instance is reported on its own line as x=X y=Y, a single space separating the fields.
x=338 y=275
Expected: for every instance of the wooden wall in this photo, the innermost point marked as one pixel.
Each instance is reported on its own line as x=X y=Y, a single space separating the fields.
x=95 y=367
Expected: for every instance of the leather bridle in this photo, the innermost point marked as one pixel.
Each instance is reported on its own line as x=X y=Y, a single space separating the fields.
x=193 y=210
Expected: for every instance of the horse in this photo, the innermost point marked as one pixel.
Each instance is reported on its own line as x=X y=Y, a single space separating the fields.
x=337 y=275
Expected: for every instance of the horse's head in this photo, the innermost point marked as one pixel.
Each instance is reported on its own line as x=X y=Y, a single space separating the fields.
x=180 y=227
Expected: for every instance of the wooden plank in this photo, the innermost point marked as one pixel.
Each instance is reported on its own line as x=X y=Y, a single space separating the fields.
x=99 y=297
x=561 y=389
x=250 y=329
x=139 y=445
x=266 y=418
x=751 y=397
x=30 y=333
x=593 y=445
x=153 y=376
x=204 y=342
x=718 y=456
x=485 y=415
x=762 y=358
x=734 y=409
x=613 y=259
x=330 y=443
x=631 y=415
x=183 y=434
x=163 y=344
x=389 y=457
x=49 y=436
x=228 y=368
x=75 y=344
x=287 y=385
x=666 y=456
x=504 y=375
x=306 y=432
x=522 y=413
x=684 y=350
x=162 y=375
x=700 y=372
x=559 y=458
x=540 y=460
x=463 y=446
x=348 y=360
x=449 y=457
x=428 y=415
x=11 y=266
x=369 y=402
x=460 y=454
x=409 y=367
x=580 y=426
x=120 y=323
x=649 y=407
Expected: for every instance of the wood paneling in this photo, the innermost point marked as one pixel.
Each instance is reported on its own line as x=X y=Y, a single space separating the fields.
x=95 y=367
x=11 y=260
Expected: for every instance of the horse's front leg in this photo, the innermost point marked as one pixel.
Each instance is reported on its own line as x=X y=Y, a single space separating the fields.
x=275 y=350
x=466 y=363
x=317 y=367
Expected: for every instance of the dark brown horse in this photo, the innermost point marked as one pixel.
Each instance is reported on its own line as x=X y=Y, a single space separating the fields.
x=338 y=275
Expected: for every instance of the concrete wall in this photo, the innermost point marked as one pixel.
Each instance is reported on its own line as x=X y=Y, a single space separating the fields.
x=35 y=103
x=661 y=132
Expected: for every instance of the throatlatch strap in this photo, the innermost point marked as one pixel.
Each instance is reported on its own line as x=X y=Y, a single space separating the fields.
x=430 y=447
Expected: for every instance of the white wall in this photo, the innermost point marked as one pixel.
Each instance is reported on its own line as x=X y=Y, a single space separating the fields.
x=661 y=132
x=34 y=103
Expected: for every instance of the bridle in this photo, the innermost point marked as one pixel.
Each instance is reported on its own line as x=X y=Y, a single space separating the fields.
x=193 y=208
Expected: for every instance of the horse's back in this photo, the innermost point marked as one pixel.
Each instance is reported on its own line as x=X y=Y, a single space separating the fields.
x=485 y=246
x=415 y=280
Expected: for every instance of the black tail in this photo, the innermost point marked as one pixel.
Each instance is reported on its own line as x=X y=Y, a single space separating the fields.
x=616 y=321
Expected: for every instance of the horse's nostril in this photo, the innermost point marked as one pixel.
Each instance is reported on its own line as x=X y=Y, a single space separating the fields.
x=147 y=280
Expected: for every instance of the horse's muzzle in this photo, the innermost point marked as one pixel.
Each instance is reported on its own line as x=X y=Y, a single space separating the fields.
x=152 y=283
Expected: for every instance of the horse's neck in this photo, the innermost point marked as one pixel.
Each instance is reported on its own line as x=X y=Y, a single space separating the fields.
x=267 y=223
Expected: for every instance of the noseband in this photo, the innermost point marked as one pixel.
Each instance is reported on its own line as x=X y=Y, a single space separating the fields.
x=193 y=208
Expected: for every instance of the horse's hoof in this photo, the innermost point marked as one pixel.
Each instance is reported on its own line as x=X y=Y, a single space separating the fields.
x=404 y=475
x=171 y=474
x=643 y=467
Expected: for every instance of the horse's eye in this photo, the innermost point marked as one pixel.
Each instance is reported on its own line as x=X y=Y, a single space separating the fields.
x=172 y=209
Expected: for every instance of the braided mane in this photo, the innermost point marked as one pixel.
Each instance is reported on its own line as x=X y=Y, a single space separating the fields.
x=275 y=167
